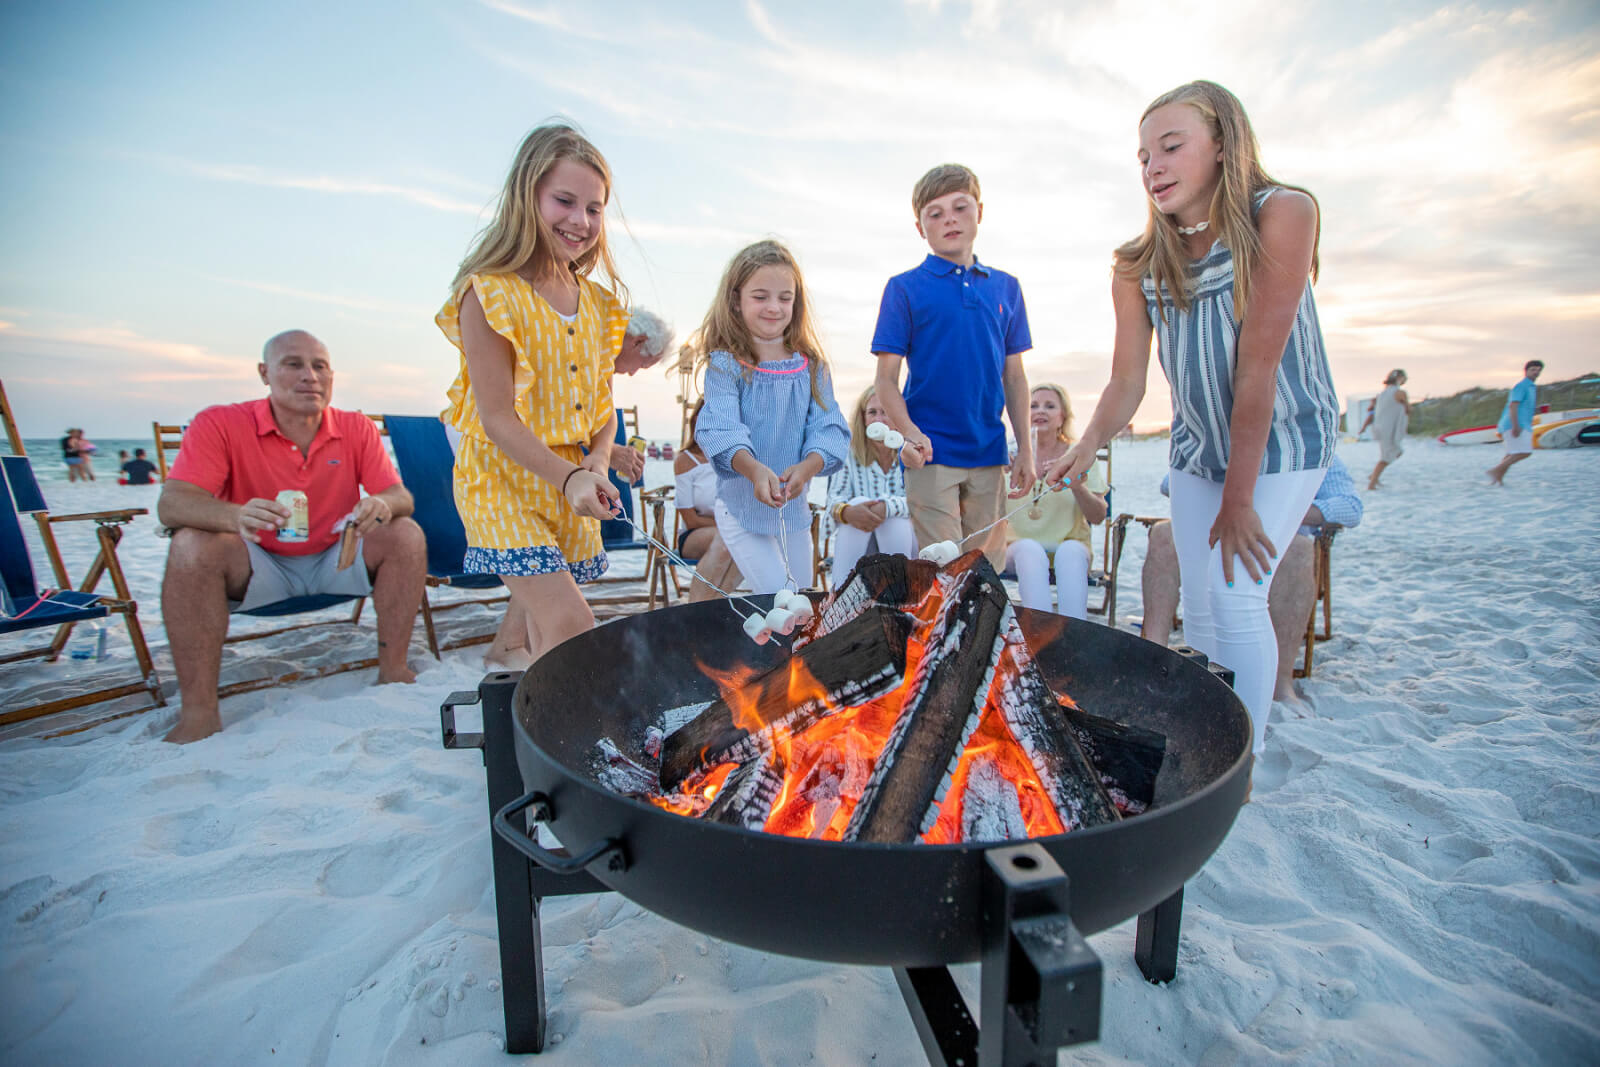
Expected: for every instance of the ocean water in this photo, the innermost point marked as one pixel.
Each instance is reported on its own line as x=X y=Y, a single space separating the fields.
x=50 y=470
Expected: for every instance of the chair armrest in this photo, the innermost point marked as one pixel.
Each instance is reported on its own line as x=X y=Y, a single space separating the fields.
x=1148 y=521
x=657 y=495
x=125 y=515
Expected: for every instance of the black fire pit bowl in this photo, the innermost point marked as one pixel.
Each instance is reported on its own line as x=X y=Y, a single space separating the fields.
x=883 y=905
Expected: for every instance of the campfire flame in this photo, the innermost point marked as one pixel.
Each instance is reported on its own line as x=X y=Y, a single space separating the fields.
x=826 y=764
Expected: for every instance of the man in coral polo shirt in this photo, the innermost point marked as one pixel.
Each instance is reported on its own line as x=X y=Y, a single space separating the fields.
x=231 y=549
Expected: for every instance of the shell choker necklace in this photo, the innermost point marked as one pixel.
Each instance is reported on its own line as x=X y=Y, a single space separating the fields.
x=1190 y=231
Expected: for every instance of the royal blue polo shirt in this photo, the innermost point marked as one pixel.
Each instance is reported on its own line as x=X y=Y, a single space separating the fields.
x=955 y=326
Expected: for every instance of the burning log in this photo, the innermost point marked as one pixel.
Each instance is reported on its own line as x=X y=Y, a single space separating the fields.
x=1038 y=722
x=878 y=581
x=747 y=796
x=859 y=661
x=947 y=697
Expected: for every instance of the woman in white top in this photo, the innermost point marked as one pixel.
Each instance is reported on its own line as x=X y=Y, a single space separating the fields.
x=867 y=496
x=695 y=491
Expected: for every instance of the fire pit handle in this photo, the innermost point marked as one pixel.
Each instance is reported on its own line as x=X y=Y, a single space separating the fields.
x=537 y=804
x=447 y=720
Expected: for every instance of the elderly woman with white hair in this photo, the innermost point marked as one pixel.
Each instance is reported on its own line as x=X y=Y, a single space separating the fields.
x=647 y=340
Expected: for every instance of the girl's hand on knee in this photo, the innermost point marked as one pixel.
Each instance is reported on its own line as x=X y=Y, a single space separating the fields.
x=1238 y=531
x=591 y=495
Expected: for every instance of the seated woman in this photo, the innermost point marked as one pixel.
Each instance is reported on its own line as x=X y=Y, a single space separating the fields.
x=867 y=496
x=695 y=491
x=1057 y=525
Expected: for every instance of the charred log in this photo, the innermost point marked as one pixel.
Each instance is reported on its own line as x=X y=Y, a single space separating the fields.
x=878 y=580
x=746 y=798
x=1038 y=723
x=1128 y=757
x=943 y=707
x=860 y=661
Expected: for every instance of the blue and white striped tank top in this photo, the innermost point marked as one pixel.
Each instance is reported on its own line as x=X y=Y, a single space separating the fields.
x=1198 y=350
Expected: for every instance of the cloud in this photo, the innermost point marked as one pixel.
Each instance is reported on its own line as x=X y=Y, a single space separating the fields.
x=250 y=174
x=388 y=307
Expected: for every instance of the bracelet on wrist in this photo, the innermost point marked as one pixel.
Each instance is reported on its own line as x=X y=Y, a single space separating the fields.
x=568 y=478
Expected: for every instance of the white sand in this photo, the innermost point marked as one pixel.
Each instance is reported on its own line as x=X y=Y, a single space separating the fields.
x=1415 y=881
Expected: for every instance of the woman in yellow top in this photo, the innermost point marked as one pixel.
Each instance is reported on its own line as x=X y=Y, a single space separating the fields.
x=1057 y=524
x=538 y=343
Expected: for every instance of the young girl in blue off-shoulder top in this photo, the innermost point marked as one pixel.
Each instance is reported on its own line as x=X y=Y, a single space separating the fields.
x=770 y=423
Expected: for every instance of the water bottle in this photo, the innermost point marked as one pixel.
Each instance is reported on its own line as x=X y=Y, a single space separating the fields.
x=88 y=641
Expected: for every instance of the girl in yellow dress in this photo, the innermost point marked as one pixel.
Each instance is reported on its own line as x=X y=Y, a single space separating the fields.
x=538 y=341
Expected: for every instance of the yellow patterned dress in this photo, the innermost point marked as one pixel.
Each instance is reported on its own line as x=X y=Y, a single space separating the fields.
x=518 y=523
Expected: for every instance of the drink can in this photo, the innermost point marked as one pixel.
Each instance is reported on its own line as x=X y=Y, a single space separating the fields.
x=298 y=528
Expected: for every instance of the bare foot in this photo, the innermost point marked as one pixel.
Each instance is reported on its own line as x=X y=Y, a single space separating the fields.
x=405 y=676
x=194 y=725
x=1494 y=479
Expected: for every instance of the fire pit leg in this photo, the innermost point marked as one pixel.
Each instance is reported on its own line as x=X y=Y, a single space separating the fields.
x=1155 y=946
x=1040 y=981
x=518 y=885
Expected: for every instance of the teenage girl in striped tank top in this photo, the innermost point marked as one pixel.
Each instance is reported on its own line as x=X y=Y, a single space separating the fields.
x=539 y=341
x=770 y=423
x=1222 y=276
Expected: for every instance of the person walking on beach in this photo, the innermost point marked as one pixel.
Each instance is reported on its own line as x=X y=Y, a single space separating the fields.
x=1222 y=277
x=233 y=545
x=770 y=423
x=1388 y=418
x=1516 y=421
x=961 y=328
x=539 y=341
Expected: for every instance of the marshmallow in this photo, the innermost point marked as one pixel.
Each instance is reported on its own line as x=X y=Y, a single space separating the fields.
x=801 y=608
x=755 y=627
x=894 y=439
x=784 y=598
x=781 y=621
x=941 y=552
x=876 y=431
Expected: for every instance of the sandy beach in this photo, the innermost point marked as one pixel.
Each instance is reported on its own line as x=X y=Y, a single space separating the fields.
x=1417 y=878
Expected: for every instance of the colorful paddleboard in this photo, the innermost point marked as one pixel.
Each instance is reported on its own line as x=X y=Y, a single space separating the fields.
x=1476 y=435
x=1565 y=434
x=1550 y=418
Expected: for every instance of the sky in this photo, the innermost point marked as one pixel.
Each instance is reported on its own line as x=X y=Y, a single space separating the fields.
x=183 y=180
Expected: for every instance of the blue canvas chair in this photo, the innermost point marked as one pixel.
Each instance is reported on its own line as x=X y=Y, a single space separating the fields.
x=423 y=454
x=24 y=606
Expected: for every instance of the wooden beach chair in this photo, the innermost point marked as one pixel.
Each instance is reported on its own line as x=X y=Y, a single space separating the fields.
x=27 y=607
x=1322 y=575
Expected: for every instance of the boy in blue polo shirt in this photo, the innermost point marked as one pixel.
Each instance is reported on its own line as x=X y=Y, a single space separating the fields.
x=961 y=327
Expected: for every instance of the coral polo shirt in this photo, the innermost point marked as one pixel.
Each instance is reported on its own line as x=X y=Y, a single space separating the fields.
x=236 y=453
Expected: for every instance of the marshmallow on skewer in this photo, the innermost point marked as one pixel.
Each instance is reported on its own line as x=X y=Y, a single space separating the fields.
x=784 y=598
x=781 y=621
x=801 y=607
x=894 y=440
x=876 y=431
x=756 y=628
x=941 y=552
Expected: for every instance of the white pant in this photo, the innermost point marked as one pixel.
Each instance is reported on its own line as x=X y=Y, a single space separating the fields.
x=894 y=536
x=1230 y=624
x=1029 y=559
x=760 y=556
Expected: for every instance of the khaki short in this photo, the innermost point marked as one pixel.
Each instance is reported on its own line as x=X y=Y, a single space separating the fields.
x=948 y=503
x=274 y=577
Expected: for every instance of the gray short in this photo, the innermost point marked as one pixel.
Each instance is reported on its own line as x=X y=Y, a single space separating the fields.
x=274 y=577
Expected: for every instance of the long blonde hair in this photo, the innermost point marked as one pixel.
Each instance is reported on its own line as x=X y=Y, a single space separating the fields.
x=1159 y=254
x=860 y=443
x=519 y=236
x=1064 y=435
x=724 y=328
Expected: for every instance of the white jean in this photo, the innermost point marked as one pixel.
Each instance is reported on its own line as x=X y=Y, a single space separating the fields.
x=895 y=536
x=760 y=556
x=1230 y=624
x=1032 y=564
